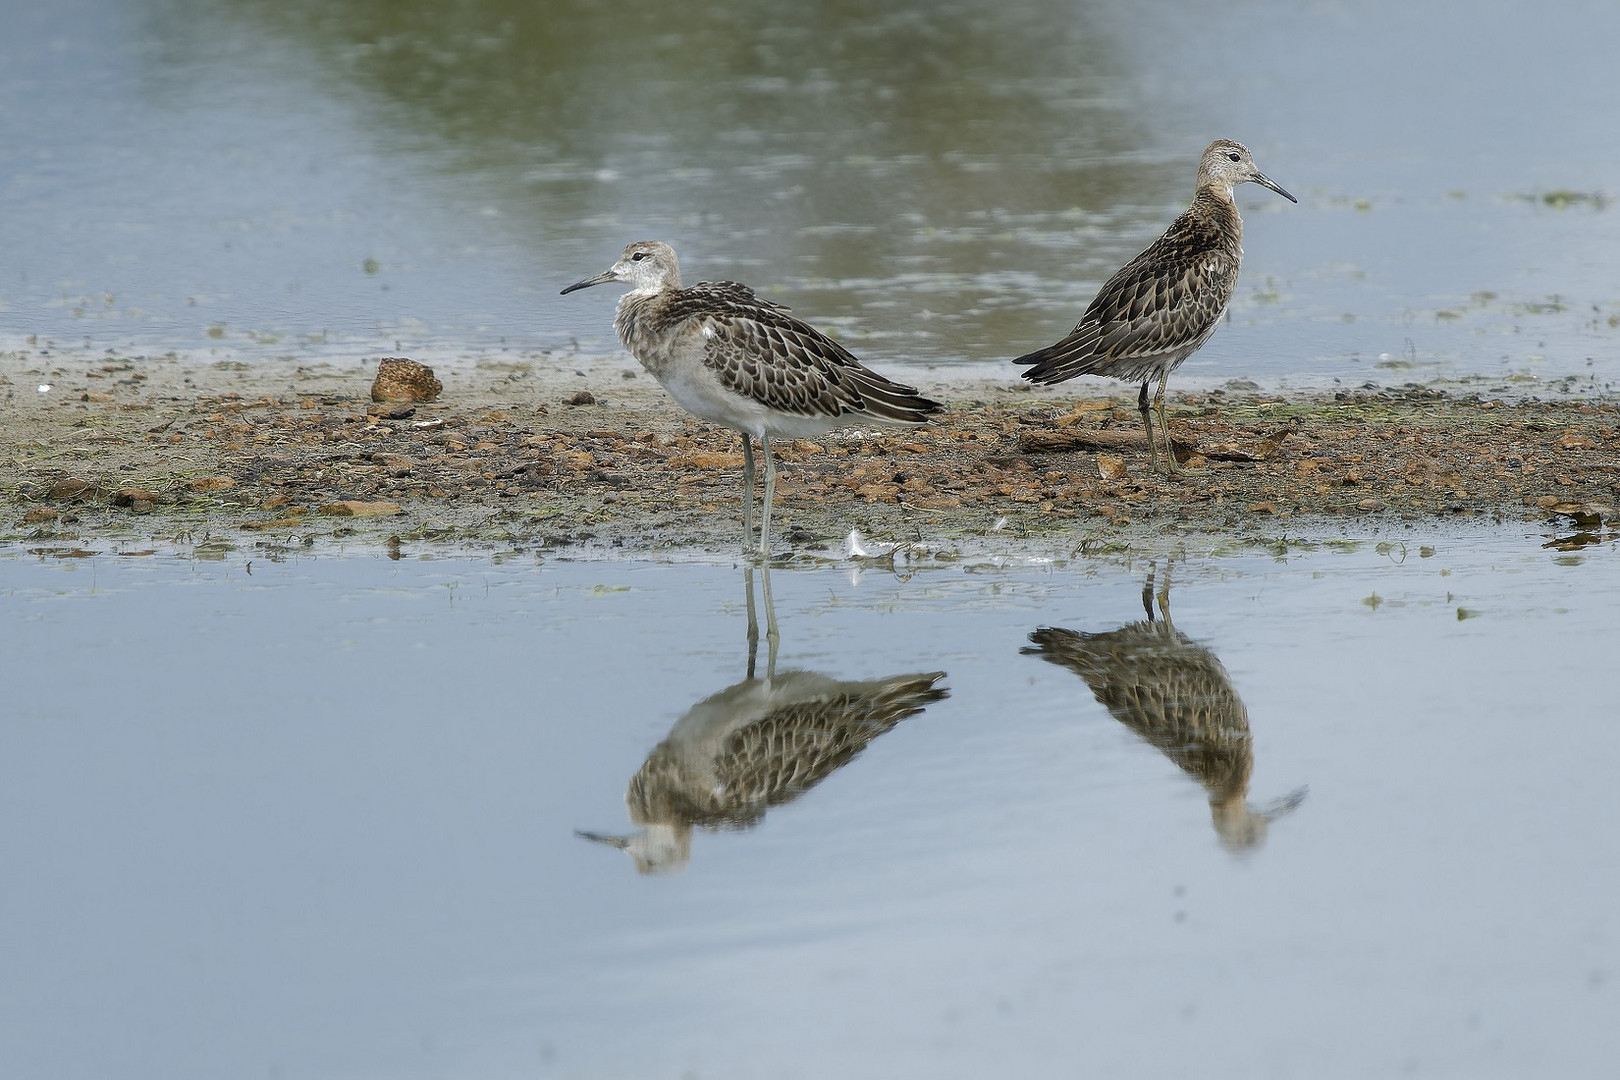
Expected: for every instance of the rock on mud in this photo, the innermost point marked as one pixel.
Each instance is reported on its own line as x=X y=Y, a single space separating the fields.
x=138 y=499
x=212 y=483
x=72 y=489
x=399 y=379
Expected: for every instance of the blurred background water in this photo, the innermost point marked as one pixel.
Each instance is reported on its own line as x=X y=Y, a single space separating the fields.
x=317 y=818
x=941 y=183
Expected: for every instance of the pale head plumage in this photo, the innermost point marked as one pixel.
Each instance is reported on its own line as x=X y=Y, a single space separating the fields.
x=1226 y=164
x=660 y=848
x=647 y=266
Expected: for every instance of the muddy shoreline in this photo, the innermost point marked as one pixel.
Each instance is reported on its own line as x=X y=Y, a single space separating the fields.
x=589 y=457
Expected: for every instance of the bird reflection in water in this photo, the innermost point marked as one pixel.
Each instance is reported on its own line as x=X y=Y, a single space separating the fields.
x=755 y=745
x=1175 y=694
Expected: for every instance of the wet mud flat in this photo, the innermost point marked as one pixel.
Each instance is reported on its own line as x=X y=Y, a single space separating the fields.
x=536 y=450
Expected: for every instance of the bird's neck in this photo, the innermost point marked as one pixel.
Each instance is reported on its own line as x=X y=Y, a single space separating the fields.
x=1217 y=190
x=636 y=319
x=633 y=307
x=1214 y=204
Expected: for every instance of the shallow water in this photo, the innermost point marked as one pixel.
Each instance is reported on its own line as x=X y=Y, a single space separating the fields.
x=938 y=183
x=319 y=818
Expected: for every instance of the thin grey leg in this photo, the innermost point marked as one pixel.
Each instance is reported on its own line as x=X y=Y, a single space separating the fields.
x=748 y=491
x=772 y=637
x=1164 y=594
x=770 y=495
x=1147 y=422
x=753 y=619
x=1164 y=425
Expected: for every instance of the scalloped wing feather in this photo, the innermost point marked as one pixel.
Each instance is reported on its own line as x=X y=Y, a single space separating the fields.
x=758 y=350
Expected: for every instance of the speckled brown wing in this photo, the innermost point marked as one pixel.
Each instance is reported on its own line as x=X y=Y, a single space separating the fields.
x=791 y=751
x=757 y=349
x=794 y=748
x=1168 y=689
x=1156 y=310
x=778 y=757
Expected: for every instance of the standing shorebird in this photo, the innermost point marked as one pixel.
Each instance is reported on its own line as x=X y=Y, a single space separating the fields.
x=1174 y=693
x=733 y=359
x=1161 y=307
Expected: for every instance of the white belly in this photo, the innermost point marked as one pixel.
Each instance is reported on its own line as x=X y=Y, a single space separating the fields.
x=700 y=393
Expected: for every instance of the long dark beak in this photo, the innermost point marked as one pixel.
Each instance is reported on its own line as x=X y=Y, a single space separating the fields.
x=1259 y=178
x=1285 y=805
x=607 y=275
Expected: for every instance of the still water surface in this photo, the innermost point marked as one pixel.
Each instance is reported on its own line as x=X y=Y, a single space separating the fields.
x=940 y=183
x=320 y=818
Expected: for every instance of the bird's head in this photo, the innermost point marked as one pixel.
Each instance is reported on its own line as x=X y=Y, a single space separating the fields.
x=658 y=849
x=646 y=266
x=1227 y=164
x=1243 y=828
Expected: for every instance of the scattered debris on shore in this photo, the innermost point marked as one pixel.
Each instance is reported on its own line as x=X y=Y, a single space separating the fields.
x=526 y=454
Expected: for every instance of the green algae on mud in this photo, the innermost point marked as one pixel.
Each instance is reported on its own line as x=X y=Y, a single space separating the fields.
x=538 y=450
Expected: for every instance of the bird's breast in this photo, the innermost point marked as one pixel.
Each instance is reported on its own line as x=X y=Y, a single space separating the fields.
x=649 y=341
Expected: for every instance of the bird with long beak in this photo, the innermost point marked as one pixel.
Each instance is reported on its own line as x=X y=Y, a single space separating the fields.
x=1160 y=308
x=729 y=357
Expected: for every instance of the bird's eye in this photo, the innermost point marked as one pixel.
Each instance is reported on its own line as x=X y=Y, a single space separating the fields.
x=1232 y=157
x=638 y=256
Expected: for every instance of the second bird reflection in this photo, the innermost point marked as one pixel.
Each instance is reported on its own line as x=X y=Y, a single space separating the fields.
x=758 y=744
x=1174 y=693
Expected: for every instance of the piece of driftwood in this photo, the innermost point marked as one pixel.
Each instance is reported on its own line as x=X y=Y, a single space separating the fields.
x=1097 y=439
x=1058 y=442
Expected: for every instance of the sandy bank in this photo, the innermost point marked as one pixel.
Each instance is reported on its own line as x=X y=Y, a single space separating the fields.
x=537 y=450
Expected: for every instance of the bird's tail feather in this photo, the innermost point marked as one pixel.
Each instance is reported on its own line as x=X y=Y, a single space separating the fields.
x=1068 y=358
x=894 y=402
